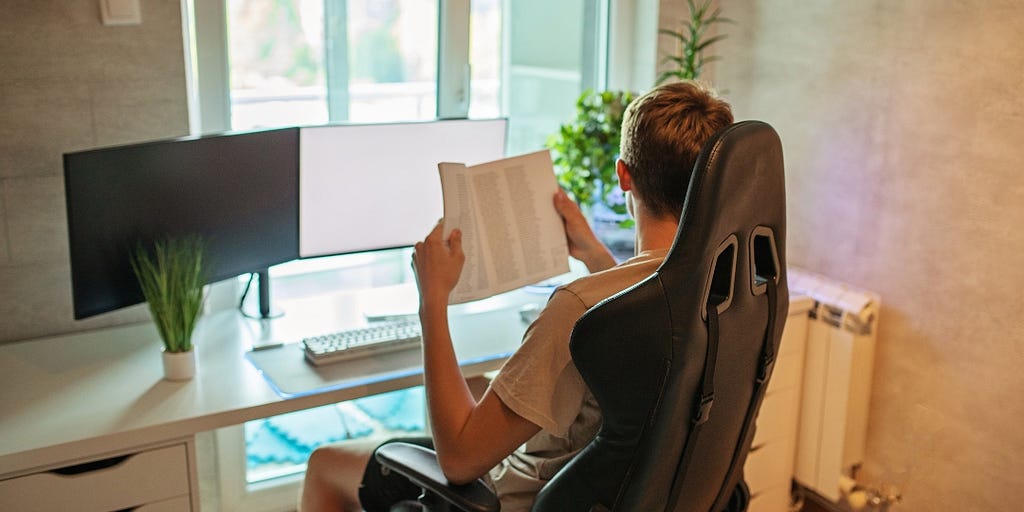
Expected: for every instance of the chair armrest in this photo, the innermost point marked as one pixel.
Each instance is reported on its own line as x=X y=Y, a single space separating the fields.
x=420 y=466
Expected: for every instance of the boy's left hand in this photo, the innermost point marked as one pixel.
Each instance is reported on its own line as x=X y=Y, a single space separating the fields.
x=437 y=264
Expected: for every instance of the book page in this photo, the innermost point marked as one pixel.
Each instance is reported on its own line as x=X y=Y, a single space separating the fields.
x=458 y=213
x=518 y=237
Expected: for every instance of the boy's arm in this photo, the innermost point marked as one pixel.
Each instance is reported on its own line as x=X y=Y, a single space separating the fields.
x=583 y=244
x=470 y=437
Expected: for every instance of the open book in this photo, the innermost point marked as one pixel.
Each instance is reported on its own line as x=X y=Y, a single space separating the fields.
x=511 y=233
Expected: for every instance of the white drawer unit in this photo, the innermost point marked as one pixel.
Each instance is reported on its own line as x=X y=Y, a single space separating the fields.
x=155 y=480
x=769 y=467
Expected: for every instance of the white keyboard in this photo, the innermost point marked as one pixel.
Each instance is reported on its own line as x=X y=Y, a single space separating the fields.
x=376 y=338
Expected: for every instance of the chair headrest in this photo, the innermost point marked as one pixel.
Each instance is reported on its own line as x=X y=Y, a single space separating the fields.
x=737 y=184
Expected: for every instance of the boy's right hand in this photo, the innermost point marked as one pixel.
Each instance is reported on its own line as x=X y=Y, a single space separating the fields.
x=583 y=243
x=437 y=264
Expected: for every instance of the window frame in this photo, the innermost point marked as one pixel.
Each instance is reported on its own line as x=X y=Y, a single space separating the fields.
x=619 y=53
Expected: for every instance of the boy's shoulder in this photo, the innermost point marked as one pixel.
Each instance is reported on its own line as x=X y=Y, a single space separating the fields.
x=594 y=288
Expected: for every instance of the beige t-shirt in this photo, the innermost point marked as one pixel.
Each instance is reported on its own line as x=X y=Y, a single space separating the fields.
x=540 y=383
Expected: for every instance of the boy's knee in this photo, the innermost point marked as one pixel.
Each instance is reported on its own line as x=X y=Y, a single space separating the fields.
x=327 y=458
x=319 y=463
x=318 y=457
x=347 y=458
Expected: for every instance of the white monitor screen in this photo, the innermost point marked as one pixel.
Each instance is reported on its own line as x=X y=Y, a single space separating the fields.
x=369 y=187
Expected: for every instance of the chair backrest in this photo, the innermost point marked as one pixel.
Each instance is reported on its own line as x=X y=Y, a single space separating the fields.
x=679 y=362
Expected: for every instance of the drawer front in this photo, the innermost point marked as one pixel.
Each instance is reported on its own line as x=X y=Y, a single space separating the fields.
x=788 y=372
x=778 y=417
x=775 y=499
x=179 y=504
x=794 y=335
x=114 y=484
x=769 y=465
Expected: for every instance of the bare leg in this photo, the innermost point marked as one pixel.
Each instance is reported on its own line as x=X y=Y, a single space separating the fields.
x=334 y=472
x=333 y=475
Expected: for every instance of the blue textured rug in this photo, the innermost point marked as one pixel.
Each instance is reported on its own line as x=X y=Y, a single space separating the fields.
x=311 y=428
x=290 y=438
x=404 y=409
x=264 y=446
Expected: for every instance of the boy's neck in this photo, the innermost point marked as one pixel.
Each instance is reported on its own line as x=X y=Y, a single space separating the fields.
x=654 y=232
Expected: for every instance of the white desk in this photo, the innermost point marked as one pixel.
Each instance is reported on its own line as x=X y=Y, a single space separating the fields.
x=75 y=398
x=72 y=399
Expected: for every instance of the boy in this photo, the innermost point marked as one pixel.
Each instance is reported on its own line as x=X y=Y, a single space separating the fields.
x=537 y=413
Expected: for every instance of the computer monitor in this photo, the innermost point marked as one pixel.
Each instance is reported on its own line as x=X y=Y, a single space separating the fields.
x=371 y=187
x=238 y=191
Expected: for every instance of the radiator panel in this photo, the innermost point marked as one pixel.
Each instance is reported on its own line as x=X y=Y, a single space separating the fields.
x=836 y=387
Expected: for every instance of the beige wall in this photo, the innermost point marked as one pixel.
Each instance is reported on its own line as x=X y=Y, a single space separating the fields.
x=903 y=125
x=69 y=83
x=903 y=128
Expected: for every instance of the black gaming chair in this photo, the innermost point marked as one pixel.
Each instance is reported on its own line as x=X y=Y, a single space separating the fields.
x=679 y=362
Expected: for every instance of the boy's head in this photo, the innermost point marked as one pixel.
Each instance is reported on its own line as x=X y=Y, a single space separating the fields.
x=663 y=131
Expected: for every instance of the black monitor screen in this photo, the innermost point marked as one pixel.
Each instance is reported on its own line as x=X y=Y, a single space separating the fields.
x=237 y=191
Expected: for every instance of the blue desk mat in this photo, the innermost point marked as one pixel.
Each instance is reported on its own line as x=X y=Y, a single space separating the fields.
x=286 y=370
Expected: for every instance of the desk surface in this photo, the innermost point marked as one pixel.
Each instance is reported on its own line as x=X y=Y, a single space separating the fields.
x=85 y=395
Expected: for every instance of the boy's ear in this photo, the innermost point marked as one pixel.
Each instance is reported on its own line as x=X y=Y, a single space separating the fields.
x=625 y=181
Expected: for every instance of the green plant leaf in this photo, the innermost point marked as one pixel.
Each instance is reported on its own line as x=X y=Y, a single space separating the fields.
x=690 y=61
x=681 y=37
x=677 y=60
x=171 y=274
x=709 y=42
x=584 y=150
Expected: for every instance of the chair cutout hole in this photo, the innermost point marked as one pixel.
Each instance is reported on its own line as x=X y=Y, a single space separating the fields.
x=764 y=257
x=720 y=285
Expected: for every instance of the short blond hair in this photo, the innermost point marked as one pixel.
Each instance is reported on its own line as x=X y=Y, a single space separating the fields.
x=663 y=131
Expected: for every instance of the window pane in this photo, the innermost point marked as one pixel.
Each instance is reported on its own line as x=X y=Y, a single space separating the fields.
x=393 y=60
x=484 y=58
x=544 y=70
x=313 y=61
x=275 y=50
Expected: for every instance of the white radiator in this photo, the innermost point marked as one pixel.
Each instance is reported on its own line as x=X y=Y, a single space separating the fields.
x=836 y=387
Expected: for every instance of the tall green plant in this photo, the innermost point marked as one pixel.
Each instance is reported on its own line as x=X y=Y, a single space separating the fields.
x=585 y=148
x=171 y=274
x=691 y=60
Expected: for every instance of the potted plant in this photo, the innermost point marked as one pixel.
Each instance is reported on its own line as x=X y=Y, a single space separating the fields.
x=693 y=40
x=585 y=149
x=171 y=273
x=584 y=153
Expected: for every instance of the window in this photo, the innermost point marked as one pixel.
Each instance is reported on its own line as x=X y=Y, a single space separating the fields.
x=308 y=62
x=269 y=63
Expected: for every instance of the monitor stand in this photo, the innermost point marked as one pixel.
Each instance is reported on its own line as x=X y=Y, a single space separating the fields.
x=266 y=309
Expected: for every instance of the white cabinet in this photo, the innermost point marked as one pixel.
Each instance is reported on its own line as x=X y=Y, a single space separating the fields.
x=159 y=479
x=769 y=467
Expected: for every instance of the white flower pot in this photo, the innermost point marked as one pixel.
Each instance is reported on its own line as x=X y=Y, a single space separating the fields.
x=179 y=365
